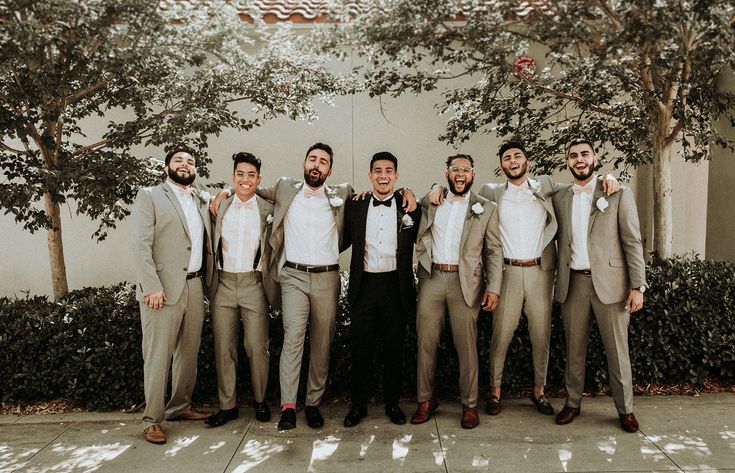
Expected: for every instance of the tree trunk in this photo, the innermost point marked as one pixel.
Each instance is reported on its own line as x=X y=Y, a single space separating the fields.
x=662 y=201
x=56 y=249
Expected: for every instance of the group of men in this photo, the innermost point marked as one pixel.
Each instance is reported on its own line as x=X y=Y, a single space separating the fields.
x=496 y=250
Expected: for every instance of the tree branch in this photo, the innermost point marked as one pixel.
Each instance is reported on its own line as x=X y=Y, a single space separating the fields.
x=11 y=149
x=611 y=14
x=77 y=96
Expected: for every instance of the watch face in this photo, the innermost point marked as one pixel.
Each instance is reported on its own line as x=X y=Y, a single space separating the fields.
x=642 y=289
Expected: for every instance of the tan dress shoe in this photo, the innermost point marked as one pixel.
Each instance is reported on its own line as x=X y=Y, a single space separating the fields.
x=470 y=417
x=424 y=411
x=192 y=414
x=628 y=422
x=154 y=434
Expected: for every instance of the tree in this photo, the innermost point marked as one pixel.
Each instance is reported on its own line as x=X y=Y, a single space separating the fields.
x=636 y=76
x=169 y=73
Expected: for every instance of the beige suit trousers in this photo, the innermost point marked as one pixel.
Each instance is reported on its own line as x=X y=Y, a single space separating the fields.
x=613 y=321
x=307 y=298
x=240 y=299
x=171 y=338
x=527 y=290
x=437 y=295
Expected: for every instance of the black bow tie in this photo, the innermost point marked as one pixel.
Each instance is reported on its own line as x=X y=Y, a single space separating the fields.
x=385 y=202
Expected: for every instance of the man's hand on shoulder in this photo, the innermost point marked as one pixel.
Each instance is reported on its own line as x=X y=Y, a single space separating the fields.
x=610 y=184
x=214 y=206
x=436 y=196
x=409 y=200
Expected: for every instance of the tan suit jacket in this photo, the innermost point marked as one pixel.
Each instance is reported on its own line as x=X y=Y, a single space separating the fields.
x=265 y=209
x=543 y=188
x=614 y=244
x=481 y=256
x=159 y=234
x=283 y=193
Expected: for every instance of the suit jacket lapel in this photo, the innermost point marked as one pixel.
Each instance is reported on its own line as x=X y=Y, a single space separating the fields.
x=469 y=219
x=499 y=191
x=593 y=208
x=567 y=207
x=290 y=192
x=175 y=202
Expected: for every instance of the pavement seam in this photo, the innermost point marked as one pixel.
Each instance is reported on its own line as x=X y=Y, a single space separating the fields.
x=237 y=449
x=441 y=446
x=49 y=443
x=662 y=451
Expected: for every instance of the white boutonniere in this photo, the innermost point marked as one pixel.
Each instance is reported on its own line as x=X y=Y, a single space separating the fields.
x=204 y=196
x=406 y=221
x=269 y=219
x=336 y=201
x=602 y=204
x=477 y=208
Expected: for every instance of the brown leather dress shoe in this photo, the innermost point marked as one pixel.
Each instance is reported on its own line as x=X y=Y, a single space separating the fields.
x=424 y=411
x=470 y=417
x=192 y=414
x=567 y=415
x=493 y=406
x=542 y=405
x=154 y=434
x=628 y=422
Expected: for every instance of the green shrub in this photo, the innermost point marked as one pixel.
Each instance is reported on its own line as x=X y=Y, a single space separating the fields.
x=87 y=347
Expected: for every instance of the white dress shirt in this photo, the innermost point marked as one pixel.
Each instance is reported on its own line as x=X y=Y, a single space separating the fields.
x=195 y=224
x=381 y=237
x=240 y=235
x=522 y=222
x=446 y=231
x=310 y=230
x=581 y=207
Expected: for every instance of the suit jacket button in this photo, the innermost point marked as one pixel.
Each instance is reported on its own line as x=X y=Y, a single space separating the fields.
x=186 y=268
x=188 y=248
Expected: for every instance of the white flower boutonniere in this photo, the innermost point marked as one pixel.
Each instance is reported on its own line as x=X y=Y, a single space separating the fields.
x=336 y=201
x=477 y=208
x=269 y=219
x=204 y=196
x=407 y=221
x=602 y=204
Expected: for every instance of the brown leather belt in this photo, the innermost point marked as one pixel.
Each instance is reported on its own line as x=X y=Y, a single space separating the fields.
x=448 y=268
x=523 y=263
x=586 y=272
x=307 y=268
x=196 y=274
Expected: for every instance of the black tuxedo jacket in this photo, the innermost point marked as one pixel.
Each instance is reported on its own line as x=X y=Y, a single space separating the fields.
x=354 y=233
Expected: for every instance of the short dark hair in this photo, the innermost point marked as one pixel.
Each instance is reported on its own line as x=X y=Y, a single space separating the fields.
x=460 y=156
x=180 y=148
x=324 y=147
x=510 y=145
x=384 y=155
x=244 y=157
x=581 y=141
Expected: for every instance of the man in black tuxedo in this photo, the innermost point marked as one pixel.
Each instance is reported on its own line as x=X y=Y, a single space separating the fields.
x=381 y=290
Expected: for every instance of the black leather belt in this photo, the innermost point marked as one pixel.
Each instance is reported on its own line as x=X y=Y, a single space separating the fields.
x=523 y=263
x=586 y=272
x=307 y=268
x=196 y=274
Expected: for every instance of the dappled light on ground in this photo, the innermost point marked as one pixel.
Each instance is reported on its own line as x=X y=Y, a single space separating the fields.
x=180 y=443
x=87 y=459
x=257 y=452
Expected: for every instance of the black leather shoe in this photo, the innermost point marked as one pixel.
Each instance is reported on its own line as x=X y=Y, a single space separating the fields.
x=395 y=414
x=355 y=415
x=288 y=419
x=542 y=405
x=262 y=411
x=222 y=417
x=314 y=418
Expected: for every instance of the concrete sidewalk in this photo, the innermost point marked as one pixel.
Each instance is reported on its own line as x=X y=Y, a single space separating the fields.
x=678 y=434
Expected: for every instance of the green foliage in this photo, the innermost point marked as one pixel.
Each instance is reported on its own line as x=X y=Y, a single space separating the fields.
x=86 y=347
x=152 y=74
x=632 y=75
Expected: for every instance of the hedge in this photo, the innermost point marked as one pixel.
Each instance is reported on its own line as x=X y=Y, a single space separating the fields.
x=86 y=348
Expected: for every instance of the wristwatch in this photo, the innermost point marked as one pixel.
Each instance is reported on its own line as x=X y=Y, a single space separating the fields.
x=642 y=289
